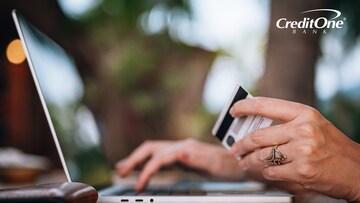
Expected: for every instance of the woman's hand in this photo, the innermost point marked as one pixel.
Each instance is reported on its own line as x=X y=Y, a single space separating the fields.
x=211 y=159
x=318 y=156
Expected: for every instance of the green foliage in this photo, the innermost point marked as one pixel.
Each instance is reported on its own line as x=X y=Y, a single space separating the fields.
x=126 y=13
x=351 y=11
x=143 y=84
x=344 y=113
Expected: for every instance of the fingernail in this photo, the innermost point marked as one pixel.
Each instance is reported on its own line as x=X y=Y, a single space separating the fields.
x=121 y=167
x=123 y=173
x=138 y=188
x=231 y=111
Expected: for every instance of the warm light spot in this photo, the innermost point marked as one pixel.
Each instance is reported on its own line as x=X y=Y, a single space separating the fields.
x=15 y=52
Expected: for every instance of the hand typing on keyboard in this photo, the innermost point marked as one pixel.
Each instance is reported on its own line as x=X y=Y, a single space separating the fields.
x=207 y=158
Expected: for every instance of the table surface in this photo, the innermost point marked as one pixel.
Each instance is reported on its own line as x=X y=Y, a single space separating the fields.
x=161 y=178
x=45 y=177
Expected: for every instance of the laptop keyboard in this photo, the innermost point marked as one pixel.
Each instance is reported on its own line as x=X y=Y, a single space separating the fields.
x=191 y=192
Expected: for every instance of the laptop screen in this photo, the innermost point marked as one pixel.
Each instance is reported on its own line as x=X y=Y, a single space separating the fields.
x=61 y=91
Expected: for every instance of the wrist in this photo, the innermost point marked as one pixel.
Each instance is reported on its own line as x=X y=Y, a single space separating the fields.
x=355 y=187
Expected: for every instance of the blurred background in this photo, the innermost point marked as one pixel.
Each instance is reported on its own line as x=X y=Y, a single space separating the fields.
x=163 y=69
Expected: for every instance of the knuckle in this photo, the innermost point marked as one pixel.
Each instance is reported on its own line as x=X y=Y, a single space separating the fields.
x=305 y=150
x=268 y=173
x=307 y=185
x=308 y=129
x=181 y=155
x=306 y=172
x=312 y=113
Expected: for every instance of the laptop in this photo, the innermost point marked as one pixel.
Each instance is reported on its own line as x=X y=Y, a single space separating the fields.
x=78 y=139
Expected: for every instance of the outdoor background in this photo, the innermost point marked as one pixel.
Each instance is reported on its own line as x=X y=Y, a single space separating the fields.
x=163 y=69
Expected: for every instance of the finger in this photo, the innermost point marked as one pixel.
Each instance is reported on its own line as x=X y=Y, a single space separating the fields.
x=264 y=137
x=154 y=164
x=195 y=159
x=139 y=155
x=119 y=166
x=275 y=109
x=281 y=173
x=258 y=157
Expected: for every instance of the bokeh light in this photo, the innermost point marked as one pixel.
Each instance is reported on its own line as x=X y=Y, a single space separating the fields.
x=15 y=52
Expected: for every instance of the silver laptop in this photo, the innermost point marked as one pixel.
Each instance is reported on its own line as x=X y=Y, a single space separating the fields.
x=78 y=139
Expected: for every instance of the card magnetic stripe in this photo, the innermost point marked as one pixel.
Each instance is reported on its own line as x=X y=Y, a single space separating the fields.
x=228 y=119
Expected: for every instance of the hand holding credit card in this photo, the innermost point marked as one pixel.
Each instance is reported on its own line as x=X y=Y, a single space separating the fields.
x=228 y=129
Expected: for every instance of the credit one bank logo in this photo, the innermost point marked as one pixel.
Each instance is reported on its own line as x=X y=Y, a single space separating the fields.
x=313 y=26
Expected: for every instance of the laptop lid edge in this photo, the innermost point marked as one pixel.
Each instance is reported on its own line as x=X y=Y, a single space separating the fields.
x=38 y=88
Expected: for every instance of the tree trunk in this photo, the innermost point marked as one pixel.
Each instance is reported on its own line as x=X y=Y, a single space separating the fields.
x=291 y=58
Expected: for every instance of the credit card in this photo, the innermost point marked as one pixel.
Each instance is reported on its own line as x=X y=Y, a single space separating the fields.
x=228 y=129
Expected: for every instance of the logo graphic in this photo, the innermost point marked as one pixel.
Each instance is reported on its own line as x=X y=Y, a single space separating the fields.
x=310 y=25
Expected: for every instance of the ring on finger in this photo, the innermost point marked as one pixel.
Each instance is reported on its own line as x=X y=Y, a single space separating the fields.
x=275 y=156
